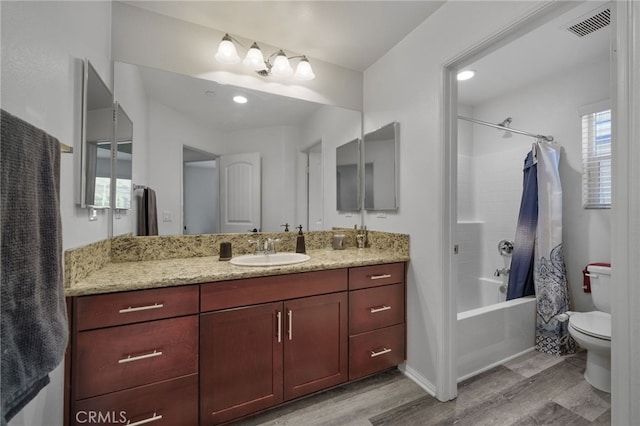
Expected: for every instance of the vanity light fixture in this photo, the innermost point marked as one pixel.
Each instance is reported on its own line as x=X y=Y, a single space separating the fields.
x=227 y=54
x=466 y=75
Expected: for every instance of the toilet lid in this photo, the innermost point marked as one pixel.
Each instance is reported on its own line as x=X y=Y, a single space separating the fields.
x=595 y=324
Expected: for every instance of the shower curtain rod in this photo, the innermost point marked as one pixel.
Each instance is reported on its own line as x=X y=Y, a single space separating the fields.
x=507 y=129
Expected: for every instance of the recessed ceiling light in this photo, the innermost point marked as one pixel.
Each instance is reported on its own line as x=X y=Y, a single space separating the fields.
x=466 y=75
x=239 y=99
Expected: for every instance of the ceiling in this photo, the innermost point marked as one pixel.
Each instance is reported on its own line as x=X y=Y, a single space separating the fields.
x=351 y=34
x=354 y=34
x=542 y=52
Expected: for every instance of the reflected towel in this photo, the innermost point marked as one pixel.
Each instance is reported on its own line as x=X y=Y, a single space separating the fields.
x=586 y=281
x=147 y=213
x=34 y=316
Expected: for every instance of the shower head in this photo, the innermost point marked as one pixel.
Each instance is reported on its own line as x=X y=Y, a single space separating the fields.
x=506 y=123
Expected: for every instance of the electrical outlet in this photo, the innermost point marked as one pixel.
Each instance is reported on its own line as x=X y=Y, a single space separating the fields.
x=167 y=216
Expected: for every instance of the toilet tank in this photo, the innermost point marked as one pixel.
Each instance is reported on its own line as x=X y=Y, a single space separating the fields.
x=600 y=277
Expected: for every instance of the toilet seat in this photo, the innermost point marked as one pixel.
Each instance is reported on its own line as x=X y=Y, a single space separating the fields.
x=595 y=324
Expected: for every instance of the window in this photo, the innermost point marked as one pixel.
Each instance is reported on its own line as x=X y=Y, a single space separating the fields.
x=596 y=160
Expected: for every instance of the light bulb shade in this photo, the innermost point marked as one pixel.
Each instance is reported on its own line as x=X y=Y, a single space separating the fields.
x=227 y=53
x=254 y=58
x=281 y=65
x=304 y=71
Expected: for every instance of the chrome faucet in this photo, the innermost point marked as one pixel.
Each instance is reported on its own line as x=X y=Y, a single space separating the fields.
x=266 y=247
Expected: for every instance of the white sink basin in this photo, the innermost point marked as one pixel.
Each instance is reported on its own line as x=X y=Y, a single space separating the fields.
x=276 y=259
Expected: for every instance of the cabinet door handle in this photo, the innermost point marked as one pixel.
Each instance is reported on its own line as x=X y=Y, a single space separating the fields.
x=382 y=352
x=279 y=319
x=380 y=309
x=148 y=420
x=379 y=277
x=141 y=308
x=140 y=357
x=290 y=331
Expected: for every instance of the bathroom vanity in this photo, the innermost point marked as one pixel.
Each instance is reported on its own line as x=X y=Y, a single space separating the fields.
x=213 y=351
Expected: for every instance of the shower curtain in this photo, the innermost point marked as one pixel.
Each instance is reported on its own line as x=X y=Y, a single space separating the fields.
x=537 y=256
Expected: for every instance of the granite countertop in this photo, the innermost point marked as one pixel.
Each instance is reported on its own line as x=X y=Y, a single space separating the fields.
x=123 y=276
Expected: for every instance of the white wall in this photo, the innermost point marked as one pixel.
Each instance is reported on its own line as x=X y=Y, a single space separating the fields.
x=40 y=42
x=129 y=92
x=549 y=106
x=334 y=127
x=405 y=86
x=277 y=148
x=168 y=131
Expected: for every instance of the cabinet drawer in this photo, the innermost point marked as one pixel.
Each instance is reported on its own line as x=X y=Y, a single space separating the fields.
x=376 y=351
x=253 y=291
x=376 y=275
x=122 y=357
x=171 y=402
x=105 y=310
x=376 y=307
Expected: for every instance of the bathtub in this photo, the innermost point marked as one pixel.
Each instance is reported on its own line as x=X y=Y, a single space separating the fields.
x=491 y=335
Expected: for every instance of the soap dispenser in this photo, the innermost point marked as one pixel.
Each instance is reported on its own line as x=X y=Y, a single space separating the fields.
x=300 y=248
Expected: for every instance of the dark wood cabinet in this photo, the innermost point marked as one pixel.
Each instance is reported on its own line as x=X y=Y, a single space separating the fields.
x=134 y=358
x=315 y=344
x=241 y=361
x=214 y=352
x=376 y=318
x=258 y=356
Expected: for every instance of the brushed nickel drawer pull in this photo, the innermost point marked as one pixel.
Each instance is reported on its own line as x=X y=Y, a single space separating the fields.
x=379 y=277
x=141 y=308
x=380 y=309
x=279 y=319
x=290 y=314
x=140 y=357
x=382 y=352
x=145 y=421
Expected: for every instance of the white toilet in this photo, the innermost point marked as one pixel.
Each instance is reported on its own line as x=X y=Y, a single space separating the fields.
x=592 y=330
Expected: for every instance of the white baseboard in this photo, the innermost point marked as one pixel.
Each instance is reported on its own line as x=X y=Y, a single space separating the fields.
x=418 y=379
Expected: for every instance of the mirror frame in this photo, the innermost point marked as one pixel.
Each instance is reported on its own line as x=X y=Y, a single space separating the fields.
x=89 y=72
x=396 y=139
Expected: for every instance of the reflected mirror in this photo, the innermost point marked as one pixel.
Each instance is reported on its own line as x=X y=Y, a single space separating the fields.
x=347 y=172
x=173 y=111
x=97 y=132
x=123 y=159
x=381 y=168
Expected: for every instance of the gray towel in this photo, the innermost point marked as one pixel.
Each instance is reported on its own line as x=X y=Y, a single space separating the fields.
x=34 y=316
x=147 y=213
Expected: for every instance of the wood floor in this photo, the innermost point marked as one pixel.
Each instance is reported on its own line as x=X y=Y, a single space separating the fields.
x=534 y=389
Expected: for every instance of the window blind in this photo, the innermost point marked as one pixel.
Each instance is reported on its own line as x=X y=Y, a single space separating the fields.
x=596 y=160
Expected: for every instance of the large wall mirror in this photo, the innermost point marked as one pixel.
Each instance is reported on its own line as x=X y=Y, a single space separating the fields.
x=175 y=113
x=97 y=134
x=381 y=168
x=348 y=176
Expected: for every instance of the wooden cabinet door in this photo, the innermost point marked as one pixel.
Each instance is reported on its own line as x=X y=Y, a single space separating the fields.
x=241 y=361
x=315 y=349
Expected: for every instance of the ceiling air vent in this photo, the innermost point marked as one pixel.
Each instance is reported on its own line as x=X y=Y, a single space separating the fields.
x=591 y=22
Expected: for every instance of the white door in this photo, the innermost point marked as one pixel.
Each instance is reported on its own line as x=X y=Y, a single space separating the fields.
x=240 y=192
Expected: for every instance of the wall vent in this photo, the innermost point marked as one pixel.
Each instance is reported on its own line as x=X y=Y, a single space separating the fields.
x=591 y=22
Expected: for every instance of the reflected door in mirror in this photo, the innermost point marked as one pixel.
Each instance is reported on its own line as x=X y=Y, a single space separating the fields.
x=240 y=195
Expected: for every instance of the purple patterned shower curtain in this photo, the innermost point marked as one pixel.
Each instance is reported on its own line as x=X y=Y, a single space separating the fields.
x=537 y=257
